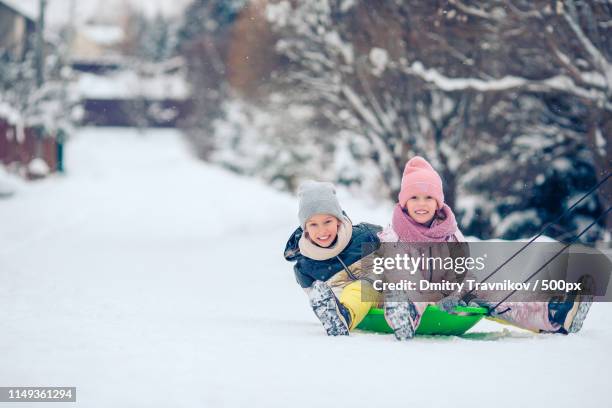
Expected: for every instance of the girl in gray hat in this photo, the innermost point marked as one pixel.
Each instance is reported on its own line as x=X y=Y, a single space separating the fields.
x=327 y=250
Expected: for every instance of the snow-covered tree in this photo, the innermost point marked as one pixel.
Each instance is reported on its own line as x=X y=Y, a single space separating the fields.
x=500 y=97
x=203 y=40
x=52 y=107
x=530 y=175
x=558 y=49
x=149 y=39
x=345 y=58
x=254 y=141
x=443 y=79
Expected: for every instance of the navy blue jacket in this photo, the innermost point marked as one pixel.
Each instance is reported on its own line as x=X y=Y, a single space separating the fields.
x=363 y=242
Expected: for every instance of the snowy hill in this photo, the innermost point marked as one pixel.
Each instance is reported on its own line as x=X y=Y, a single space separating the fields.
x=147 y=278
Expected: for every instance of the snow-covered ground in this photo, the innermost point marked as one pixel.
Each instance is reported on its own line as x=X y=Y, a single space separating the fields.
x=146 y=278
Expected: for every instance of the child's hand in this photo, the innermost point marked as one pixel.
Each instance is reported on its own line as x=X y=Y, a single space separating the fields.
x=449 y=303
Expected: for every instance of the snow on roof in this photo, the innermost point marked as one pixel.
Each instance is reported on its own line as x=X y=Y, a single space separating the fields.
x=128 y=84
x=27 y=8
x=8 y=113
x=103 y=34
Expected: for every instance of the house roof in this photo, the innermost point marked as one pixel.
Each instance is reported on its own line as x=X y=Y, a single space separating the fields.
x=27 y=8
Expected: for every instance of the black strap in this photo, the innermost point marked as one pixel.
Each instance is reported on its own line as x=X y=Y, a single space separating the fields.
x=554 y=256
x=563 y=214
x=350 y=274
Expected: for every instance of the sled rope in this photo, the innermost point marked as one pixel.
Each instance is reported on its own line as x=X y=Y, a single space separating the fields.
x=563 y=214
x=555 y=255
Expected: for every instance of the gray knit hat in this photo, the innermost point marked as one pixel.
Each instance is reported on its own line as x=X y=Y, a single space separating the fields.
x=317 y=197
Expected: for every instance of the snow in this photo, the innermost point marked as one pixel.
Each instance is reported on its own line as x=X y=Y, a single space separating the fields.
x=516 y=219
x=8 y=113
x=562 y=164
x=453 y=84
x=38 y=167
x=103 y=34
x=59 y=11
x=469 y=203
x=7 y=184
x=379 y=57
x=336 y=43
x=559 y=83
x=534 y=142
x=600 y=142
x=278 y=13
x=346 y=5
x=145 y=277
x=128 y=84
x=28 y=8
x=589 y=203
x=303 y=112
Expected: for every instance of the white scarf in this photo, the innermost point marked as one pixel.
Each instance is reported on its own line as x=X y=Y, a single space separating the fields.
x=313 y=251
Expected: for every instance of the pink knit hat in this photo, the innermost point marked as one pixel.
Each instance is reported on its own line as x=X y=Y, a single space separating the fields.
x=420 y=177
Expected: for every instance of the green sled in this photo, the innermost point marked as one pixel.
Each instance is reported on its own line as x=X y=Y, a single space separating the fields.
x=433 y=322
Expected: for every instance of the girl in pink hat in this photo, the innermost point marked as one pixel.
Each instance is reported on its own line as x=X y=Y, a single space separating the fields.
x=421 y=216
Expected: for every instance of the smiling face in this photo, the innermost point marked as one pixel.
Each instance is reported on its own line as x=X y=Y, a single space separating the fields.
x=421 y=208
x=322 y=229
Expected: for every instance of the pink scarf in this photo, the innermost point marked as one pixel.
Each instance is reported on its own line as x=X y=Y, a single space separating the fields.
x=408 y=230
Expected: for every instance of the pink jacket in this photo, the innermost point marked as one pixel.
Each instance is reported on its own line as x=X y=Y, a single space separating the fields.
x=428 y=241
x=527 y=315
x=388 y=235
